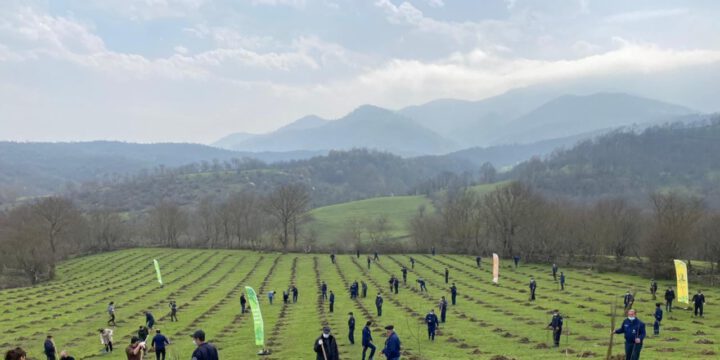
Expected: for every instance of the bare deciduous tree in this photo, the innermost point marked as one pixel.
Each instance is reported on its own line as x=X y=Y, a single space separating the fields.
x=58 y=215
x=167 y=223
x=287 y=204
x=673 y=223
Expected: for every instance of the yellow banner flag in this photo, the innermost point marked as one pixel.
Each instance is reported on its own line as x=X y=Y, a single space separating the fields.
x=682 y=282
x=496 y=268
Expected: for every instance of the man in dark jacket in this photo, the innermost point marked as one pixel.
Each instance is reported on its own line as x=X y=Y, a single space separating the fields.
x=453 y=293
x=379 y=304
x=432 y=323
x=367 y=341
x=149 y=320
x=404 y=272
x=49 y=348
x=533 y=286
x=562 y=280
x=628 y=300
x=323 y=290
x=243 y=303
x=369 y=260
x=554 y=271
x=421 y=282
x=447 y=275
x=363 y=285
x=653 y=288
x=351 y=328
x=699 y=301
x=556 y=324
x=295 y=294
x=159 y=342
x=516 y=260
x=658 y=319
x=392 y=344
x=443 y=305
x=332 y=301
x=412 y=262
x=669 y=297
x=326 y=347
x=478 y=260
x=634 y=331
x=143 y=333
x=203 y=351
x=396 y=284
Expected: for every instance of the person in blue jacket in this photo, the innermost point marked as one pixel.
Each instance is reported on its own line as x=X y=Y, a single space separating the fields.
x=392 y=344
x=149 y=320
x=658 y=319
x=367 y=341
x=432 y=323
x=378 y=304
x=634 y=331
x=159 y=342
x=351 y=328
x=323 y=290
x=556 y=324
x=49 y=348
x=562 y=280
x=453 y=293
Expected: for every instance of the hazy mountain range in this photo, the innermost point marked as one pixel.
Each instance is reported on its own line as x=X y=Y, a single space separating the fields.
x=442 y=126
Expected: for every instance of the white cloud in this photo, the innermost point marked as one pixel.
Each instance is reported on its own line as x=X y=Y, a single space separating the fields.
x=644 y=15
x=151 y=9
x=181 y=50
x=435 y=3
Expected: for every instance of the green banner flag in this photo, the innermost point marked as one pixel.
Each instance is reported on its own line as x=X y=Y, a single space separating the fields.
x=157 y=270
x=257 y=316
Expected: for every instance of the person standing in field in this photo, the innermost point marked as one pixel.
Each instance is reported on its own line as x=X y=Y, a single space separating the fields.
x=443 y=305
x=159 y=342
x=421 y=282
x=295 y=294
x=323 y=291
x=628 y=300
x=562 y=281
x=453 y=293
x=432 y=323
x=326 y=346
x=143 y=333
x=364 y=288
x=556 y=325
x=392 y=344
x=533 y=286
x=367 y=341
x=136 y=349
x=412 y=262
x=516 y=260
x=634 y=331
x=243 y=303
x=332 y=301
x=106 y=339
x=173 y=311
x=478 y=259
x=396 y=285
x=286 y=296
x=379 y=304
x=49 y=348
x=351 y=328
x=699 y=302
x=669 y=297
x=369 y=260
x=658 y=319
x=203 y=351
x=111 y=313
x=433 y=251
x=404 y=272
x=653 y=288
x=554 y=271
x=376 y=257
x=271 y=296
x=447 y=275
x=332 y=257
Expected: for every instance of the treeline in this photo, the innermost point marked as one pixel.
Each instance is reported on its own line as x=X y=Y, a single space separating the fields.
x=35 y=236
x=338 y=177
x=514 y=220
x=633 y=165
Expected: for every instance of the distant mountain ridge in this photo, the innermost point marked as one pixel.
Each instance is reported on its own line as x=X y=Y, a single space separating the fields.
x=522 y=116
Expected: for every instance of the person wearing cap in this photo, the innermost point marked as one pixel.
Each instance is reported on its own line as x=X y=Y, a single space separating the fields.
x=64 y=355
x=392 y=344
x=634 y=331
x=326 y=347
x=203 y=351
x=379 y=304
x=332 y=301
x=159 y=342
x=49 y=348
x=367 y=341
x=135 y=350
x=107 y=339
x=351 y=328
x=556 y=324
x=432 y=323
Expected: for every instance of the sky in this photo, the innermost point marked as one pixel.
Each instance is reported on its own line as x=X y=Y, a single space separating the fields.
x=196 y=70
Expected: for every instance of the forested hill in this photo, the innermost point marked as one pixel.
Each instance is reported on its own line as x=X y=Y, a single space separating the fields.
x=678 y=157
x=338 y=177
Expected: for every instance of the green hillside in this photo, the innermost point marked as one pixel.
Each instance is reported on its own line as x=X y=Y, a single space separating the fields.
x=330 y=221
x=488 y=321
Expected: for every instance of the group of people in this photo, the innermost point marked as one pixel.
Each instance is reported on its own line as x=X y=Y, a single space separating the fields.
x=326 y=347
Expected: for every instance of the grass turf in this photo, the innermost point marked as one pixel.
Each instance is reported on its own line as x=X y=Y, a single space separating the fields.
x=488 y=320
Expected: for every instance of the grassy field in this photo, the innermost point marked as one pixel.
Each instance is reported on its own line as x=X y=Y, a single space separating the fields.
x=487 y=321
x=330 y=221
